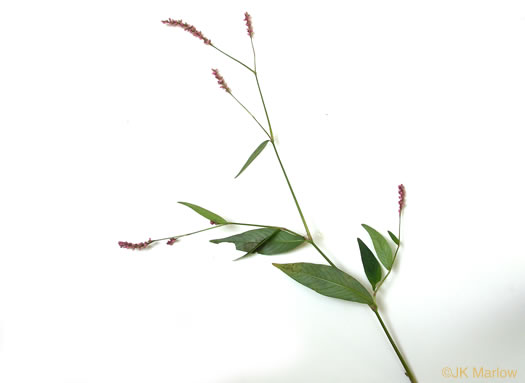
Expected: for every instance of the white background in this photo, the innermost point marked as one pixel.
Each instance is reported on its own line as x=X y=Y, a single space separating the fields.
x=108 y=118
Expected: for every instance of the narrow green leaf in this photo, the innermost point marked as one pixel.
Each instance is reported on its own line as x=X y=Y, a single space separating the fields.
x=394 y=238
x=205 y=213
x=248 y=240
x=280 y=241
x=383 y=249
x=328 y=281
x=258 y=245
x=253 y=156
x=370 y=264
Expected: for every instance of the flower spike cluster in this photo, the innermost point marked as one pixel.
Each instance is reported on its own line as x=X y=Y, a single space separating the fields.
x=133 y=246
x=188 y=28
x=220 y=80
x=249 y=25
x=402 y=193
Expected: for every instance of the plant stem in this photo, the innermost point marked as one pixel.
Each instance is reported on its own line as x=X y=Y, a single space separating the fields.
x=293 y=194
x=260 y=92
x=187 y=234
x=394 y=259
x=234 y=59
x=323 y=254
x=408 y=372
x=250 y=113
x=225 y=224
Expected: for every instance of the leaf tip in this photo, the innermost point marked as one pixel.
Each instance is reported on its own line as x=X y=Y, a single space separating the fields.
x=393 y=237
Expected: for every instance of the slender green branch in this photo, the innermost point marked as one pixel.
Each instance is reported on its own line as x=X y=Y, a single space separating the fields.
x=250 y=113
x=234 y=59
x=394 y=259
x=187 y=234
x=408 y=372
x=225 y=224
x=264 y=106
x=323 y=254
x=254 y=60
x=260 y=91
x=293 y=194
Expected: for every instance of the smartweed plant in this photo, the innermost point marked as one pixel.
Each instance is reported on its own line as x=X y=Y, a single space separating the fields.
x=328 y=280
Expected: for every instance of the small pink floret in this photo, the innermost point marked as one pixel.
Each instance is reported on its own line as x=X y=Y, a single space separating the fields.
x=402 y=194
x=220 y=80
x=133 y=246
x=188 y=28
x=249 y=26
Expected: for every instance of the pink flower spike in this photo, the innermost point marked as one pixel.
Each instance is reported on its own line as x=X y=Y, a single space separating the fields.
x=402 y=194
x=249 y=25
x=133 y=246
x=171 y=241
x=188 y=28
x=220 y=80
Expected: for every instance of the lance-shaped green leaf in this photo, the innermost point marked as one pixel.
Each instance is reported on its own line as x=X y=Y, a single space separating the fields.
x=205 y=213
x=279 y=243
x=253 y=156
x=370 y=264
x=394 y=238
x=328 y=281
x=258 y=245
x=383 y=249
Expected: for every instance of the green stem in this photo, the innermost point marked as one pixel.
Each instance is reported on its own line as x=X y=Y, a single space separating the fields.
x=187 y=234
x=250 y=113
x=225 y=224
x=408 y=372
x=323 y=254
x=260 y=92
x=394 y=259
x=234 y=59
x=293 y=194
